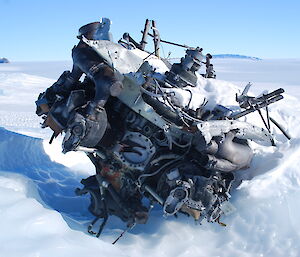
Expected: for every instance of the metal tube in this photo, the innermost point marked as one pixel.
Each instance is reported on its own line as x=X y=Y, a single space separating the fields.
x=280 y=128
x=145 y=34
x=156 y=38
x=85 y=149
x=154 y=194
x=171 y=43
x=255 y=107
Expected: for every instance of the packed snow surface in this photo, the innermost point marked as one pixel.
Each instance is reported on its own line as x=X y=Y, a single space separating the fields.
x=40 y=214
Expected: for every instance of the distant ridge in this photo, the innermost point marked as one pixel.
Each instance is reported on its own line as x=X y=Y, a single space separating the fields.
x=4 y=60
x=235 y=56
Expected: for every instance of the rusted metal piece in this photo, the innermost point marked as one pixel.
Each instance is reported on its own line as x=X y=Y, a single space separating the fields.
x=45 y=108
x=54 y=125
x=112 y=176
x=194 y=213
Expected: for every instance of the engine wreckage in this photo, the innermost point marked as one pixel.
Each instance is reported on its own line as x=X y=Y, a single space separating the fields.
x=142 y=142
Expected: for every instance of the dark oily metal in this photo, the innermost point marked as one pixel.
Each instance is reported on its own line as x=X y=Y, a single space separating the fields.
x=96 y=30
x=89 y=30
x=183 y=74
x=129 y=39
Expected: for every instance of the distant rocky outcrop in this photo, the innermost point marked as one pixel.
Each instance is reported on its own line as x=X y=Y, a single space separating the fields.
x=235 y=56
x=4 y=60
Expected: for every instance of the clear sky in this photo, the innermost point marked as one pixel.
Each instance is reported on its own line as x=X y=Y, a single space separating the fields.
x=47 y=29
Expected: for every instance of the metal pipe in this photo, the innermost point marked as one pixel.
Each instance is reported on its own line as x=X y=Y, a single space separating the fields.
x=280 y=128
x=156 y=38
x=145 y=34
x=171 y=43
x=255 y=107
x=154 y=194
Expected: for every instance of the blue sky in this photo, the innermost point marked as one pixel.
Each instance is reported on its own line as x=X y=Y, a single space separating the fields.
x=46 y=30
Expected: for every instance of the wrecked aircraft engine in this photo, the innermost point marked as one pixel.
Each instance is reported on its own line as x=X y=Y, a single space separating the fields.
x=142 y=142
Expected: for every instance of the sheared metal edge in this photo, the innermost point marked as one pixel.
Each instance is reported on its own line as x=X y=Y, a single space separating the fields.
x=244 y=130
x=118 y=57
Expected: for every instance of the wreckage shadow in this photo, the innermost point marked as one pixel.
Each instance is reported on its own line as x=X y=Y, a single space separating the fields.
x=262 y=163
x=55 y=183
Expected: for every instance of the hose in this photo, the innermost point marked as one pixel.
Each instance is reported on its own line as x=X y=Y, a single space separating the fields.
x=162 y=109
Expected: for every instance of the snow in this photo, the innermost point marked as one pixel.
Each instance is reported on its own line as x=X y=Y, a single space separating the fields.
x=41 y=216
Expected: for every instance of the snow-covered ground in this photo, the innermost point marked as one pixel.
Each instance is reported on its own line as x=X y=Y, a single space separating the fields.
x=41 y=216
